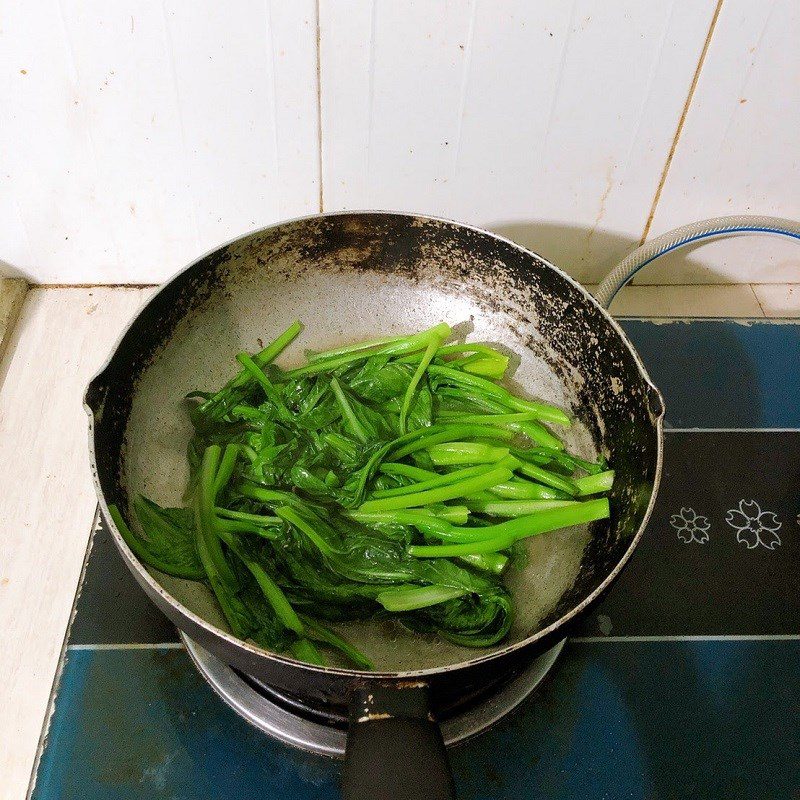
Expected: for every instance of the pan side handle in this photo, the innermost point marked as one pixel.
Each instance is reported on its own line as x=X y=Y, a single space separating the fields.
x=95 y=395
x=395 y=749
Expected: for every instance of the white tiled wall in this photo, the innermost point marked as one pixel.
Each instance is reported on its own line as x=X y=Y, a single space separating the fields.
x=739 y=151
x=137 y=135
x=547 y=121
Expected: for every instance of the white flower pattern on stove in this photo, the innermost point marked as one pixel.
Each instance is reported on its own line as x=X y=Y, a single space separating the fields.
x=690 y=526
x=753 y=526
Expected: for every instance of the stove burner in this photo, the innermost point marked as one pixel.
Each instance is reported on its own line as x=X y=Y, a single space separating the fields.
x=324 y=731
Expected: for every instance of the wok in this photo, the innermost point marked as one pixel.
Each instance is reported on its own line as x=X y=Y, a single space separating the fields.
x=352 y=276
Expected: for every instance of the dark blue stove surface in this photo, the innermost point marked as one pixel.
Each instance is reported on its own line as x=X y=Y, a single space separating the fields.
x=683 y=683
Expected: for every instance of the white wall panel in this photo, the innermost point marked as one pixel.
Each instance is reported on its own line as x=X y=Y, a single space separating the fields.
x=137 y=135
x=141 y=134
x=547 y=121
x=739 y=151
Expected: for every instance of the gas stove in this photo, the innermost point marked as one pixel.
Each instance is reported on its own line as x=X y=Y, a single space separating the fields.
x=684 y=682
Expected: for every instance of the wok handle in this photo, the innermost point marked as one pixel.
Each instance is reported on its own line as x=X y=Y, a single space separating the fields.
x=394 y=748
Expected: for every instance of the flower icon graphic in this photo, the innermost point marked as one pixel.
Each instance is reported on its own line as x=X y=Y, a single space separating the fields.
x=690 y=526
x=753 y=526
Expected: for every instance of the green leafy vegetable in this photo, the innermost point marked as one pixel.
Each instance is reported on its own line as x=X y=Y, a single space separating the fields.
x=388 y=478
x=168 y=543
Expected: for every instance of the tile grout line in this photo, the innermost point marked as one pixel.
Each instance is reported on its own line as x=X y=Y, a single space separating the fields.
x=634 y=639
x=127 y=646
x=752 y=289
x=731 y=430
x=582 y=283
x=320 y=195
x=689 y=318
x=94 y=285
x=747 y=637
x=681 y=121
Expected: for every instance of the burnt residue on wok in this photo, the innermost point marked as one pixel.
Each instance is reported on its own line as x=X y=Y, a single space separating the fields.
x=351 y=274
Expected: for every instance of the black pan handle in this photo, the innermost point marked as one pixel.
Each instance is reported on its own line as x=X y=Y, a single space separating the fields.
x=394 y=747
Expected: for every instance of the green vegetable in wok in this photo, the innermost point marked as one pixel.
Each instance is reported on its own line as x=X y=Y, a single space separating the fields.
x=387 y=479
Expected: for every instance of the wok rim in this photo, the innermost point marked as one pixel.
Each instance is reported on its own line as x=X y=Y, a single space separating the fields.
x=143 y=576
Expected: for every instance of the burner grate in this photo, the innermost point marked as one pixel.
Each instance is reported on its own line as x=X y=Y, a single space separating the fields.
x=324 y=731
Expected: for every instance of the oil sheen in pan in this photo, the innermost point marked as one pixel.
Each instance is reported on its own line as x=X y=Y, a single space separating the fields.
x=355 y=306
